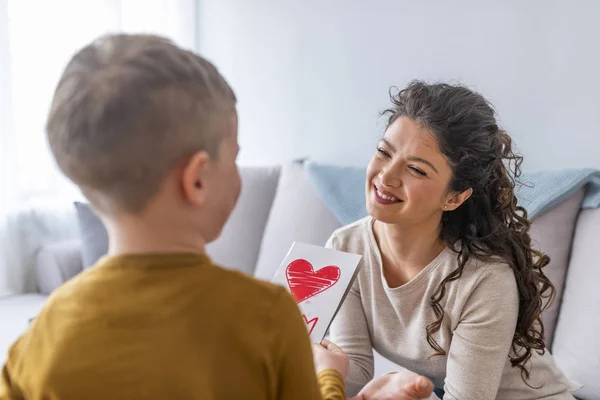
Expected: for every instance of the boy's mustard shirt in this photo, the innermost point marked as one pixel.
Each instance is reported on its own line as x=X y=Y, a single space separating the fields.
x=166 y=326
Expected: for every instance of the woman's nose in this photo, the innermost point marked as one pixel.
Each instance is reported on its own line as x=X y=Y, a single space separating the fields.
x=389 y=178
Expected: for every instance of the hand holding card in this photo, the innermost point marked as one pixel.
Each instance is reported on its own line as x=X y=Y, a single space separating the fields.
x=328 y=355
x=319 y=280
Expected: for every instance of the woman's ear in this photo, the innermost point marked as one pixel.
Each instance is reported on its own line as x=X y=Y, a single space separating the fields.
x=455 y=200
x=194 y=178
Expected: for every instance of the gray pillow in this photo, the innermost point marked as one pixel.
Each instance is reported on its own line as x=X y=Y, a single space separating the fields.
x=552 y=232
x=297 y=214
x=94 y=238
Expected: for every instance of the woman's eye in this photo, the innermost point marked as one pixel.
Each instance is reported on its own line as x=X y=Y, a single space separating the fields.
x=383 y=152
x=418 y=171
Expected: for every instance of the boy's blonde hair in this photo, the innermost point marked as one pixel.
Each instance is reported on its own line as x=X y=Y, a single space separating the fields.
x=127 y=110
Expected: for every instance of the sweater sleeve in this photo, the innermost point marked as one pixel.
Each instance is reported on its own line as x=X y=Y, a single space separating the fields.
x=350 y=331
x=297 y=377
x=482 y=340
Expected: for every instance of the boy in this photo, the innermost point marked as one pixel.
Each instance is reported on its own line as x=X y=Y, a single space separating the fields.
x=148 y=131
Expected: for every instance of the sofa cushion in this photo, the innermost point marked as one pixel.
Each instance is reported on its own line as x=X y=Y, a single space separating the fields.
x=94 y=239
x=56 y=263
x=297 y=215
x=552 y=233
x=576 y=346
x=239 y=243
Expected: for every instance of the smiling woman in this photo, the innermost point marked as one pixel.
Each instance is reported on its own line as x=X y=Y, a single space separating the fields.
x=450 y=287
x=409 y=166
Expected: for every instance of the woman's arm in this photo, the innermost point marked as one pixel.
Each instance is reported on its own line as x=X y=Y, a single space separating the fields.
x=349 y=330
x=482 y=340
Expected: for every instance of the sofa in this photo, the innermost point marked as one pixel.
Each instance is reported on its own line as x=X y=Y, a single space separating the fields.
x=278 y=205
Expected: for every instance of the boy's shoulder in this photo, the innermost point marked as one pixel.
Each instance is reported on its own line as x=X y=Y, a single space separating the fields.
x=225 y=283
x=253 y=290
x=237 y=300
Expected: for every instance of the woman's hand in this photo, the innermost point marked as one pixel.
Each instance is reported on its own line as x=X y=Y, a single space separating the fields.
x=327 y=355
x=402 y=385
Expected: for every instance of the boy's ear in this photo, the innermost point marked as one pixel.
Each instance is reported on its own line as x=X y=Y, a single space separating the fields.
x=194 y=178
x=455 y=200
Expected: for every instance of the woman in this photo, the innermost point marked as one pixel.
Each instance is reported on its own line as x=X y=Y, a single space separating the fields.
x=450 y=286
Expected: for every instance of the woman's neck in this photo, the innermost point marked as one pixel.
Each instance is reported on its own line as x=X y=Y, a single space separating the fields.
x=406 y=249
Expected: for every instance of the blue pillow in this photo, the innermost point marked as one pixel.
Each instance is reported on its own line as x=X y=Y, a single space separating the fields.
x=94 y=238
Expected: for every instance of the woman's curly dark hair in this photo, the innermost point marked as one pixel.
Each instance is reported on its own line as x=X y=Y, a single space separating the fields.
x=490 y=224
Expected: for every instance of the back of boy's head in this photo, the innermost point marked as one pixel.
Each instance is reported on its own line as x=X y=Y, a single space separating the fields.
x=127 y=110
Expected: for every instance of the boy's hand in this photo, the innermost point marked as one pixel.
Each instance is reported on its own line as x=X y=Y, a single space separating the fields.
x=327 y=355
x=402 y=385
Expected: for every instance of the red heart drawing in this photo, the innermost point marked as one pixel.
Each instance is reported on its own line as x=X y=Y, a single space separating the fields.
x=308 y=323
x=305 y=282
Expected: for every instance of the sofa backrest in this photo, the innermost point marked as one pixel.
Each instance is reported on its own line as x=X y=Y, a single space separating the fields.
x=576 y=345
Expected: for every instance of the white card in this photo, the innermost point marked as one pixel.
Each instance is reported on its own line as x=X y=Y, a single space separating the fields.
x=319 y=279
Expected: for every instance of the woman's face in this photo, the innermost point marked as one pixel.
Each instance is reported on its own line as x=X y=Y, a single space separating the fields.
x=408 y=177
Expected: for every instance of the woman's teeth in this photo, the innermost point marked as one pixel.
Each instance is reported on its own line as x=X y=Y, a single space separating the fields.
x=386 y=197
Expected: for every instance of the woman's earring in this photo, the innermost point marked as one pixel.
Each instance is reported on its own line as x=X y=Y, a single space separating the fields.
x=445 y=207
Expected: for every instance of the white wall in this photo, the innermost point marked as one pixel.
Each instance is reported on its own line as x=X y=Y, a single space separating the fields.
x=311 y=76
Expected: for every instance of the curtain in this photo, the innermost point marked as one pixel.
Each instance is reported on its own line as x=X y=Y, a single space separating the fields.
x=37 y=38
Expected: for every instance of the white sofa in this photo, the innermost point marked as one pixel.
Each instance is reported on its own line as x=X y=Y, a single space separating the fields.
x=278 y=205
